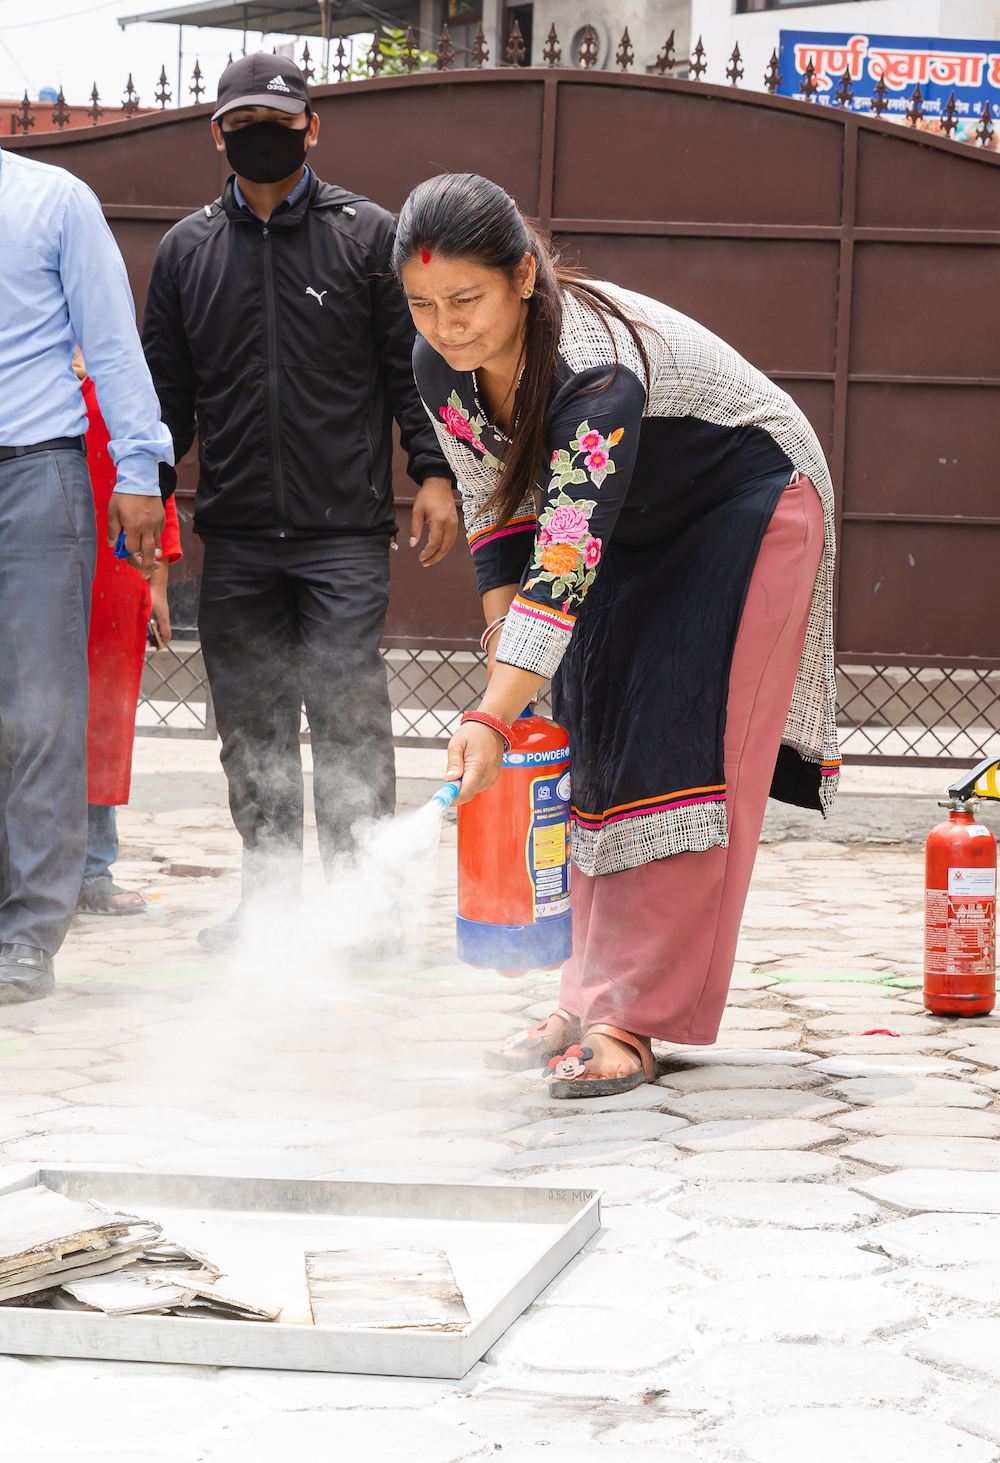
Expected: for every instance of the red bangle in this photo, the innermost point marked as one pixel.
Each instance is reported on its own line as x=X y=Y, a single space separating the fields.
x=507 y=732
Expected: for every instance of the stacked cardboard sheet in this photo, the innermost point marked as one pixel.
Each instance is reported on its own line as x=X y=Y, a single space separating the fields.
x=69 y=1256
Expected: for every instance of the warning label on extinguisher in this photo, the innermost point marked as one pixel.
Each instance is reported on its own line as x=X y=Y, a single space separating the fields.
x=960 y=928
x=548 y=844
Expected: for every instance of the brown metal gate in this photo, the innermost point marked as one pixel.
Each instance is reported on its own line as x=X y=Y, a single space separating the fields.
x=853 y=261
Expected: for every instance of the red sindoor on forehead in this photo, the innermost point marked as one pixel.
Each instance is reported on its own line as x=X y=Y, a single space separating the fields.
x=425 y=256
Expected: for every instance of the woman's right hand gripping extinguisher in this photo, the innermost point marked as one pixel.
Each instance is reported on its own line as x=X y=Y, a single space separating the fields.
x=960 y=902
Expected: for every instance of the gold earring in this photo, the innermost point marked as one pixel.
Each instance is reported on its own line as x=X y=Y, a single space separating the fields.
x=528 y=294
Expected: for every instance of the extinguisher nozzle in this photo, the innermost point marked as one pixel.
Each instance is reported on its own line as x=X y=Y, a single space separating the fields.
x=447 y=793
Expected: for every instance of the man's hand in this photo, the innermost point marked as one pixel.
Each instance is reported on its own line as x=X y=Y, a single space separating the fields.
x=434 y=508
x=142 y=519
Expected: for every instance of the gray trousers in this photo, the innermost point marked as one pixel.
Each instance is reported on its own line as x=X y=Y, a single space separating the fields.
x=48 y=550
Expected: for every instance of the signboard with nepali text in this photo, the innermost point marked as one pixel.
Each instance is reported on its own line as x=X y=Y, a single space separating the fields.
x=940 y=67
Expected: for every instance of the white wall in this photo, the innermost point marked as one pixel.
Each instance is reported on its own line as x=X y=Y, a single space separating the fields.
x=757 y=33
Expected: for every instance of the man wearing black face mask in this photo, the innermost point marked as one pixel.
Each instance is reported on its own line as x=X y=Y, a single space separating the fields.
x=274 y=322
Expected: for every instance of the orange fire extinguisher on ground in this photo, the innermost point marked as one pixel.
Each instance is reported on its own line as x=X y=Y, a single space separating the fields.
x=514 y=857
x=960 y=902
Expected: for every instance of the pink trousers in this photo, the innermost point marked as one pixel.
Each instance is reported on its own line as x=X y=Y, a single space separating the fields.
x=653 y=947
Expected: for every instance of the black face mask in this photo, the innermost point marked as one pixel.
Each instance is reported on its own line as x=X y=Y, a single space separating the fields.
x=266 y=152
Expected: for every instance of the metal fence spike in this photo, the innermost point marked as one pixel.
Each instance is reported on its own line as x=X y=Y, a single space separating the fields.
x=587 y=55
x=667 y=59
x=699 y=65
x=915 y=108
x=810 y=86
x=162 y=94
x=880 y=99
x=625 y=55
x=480 y=50
x=985 y=129
x=734 y=71
x=515 y=46
x=552 y=52
x=949 y=116
x=342 y=68
x=24 y=117
x=197 y=89
x=445 y=51
x=376 y=60
x=93 y=110
x=773 y=74
x=130 y=100
x=410 y=53
x=844 y=94
x=308 y=74
x=60 y=112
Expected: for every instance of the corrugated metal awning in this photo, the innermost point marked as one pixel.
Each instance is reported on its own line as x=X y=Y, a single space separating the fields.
x=283 y=17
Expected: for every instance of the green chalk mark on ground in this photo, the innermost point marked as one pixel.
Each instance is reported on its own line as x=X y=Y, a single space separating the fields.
x=908 y=982
x=162 y=975
x=11 y=1048
x=815 y=977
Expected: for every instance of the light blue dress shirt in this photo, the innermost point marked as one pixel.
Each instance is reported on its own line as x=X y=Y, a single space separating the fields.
x=63 y=280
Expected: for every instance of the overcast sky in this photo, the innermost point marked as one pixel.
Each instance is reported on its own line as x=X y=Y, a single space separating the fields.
x=61 y=43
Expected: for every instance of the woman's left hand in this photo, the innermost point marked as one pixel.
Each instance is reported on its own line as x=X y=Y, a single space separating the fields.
x=475 y=755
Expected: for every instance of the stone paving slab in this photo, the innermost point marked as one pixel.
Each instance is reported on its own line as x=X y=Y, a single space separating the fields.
x=799 y=1309
x=940 y=1239
x=982 y=1154
x=935 y=1189
x=734 y=1133
x=894 y=1065
x=919 y=1122
x=851 y=1024
x=628 y=1228
x=572 y=1155
x=746 y=1380
x=863 y=1046
x=718 y=1078
x=789 y=1206
x=982 y=1417
x=751 y=1102
x=596 y=1127
x=986 y=1056
x=911 y=1092
x=750 y=1254
x=618 y=1342
x=967 y=1349
x=828 y=1435
x=755 y=1164
x=979 y=1285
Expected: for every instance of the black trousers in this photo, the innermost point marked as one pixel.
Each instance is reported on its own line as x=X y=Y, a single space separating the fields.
x=287 y=622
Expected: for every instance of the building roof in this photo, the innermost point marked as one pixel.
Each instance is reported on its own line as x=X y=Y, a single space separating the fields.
x=284 y=17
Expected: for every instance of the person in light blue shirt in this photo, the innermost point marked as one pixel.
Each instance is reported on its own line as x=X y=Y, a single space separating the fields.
x=62 y=281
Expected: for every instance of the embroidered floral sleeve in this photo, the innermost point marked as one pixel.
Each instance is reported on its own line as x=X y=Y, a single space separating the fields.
x=594 y=425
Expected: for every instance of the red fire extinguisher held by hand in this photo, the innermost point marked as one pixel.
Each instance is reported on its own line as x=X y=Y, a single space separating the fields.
x=960 y=902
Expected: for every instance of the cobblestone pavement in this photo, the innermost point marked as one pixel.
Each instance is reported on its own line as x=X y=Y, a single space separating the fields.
x=796 y=1253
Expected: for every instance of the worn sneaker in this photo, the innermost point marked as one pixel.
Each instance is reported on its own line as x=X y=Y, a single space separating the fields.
x=25 y=974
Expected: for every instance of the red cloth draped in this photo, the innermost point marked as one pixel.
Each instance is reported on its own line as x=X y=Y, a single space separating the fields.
x=119 y=615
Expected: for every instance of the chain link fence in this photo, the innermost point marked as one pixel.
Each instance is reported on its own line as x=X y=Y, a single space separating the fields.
x=890 y=715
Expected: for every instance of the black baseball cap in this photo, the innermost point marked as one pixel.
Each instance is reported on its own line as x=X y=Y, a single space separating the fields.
x=262 y=81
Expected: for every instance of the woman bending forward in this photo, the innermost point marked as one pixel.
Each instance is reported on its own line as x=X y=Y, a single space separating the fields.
x=653 y=518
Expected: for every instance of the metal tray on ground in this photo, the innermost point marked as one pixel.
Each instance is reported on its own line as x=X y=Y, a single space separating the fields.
x=505 y=1244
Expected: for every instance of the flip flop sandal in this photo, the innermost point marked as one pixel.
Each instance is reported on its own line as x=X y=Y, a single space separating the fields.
x=566 y=1072
x=528 y=1048
x=96 y=897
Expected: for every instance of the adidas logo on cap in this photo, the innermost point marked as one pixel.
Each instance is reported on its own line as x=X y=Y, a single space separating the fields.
x=278 y=83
